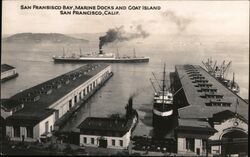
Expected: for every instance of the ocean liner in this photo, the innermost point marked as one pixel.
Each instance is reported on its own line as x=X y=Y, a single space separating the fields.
x=163 y=109
x=101 y=57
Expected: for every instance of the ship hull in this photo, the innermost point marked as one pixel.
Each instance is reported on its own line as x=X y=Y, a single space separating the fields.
x=126 y=60
x=163 y=122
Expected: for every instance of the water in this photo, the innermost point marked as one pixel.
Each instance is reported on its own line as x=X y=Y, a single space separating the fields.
x=35 y=65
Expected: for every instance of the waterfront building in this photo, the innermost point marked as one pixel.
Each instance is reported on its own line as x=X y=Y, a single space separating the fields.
x=7 y=72
x=105 y=132
x=8 y=107
x=212 y=119
x=39 y=107
x=112 y=132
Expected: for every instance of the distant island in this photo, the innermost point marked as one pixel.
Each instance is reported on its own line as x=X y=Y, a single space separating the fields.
x=42 y=38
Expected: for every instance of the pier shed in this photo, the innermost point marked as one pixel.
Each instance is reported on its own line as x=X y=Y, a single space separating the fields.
x=207 y=111
x=109 y=132
x=47 y=102
x=105 y=132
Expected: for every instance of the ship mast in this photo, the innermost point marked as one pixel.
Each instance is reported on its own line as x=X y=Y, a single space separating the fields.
x=163 y=85
x=156 y=80
x=134 y=53
x=117 y=53
x=80 y=52
x=153 y=85
x=233 y=80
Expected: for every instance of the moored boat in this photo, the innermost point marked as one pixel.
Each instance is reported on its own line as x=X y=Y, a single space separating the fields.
x=163 y=109
x=219 y=72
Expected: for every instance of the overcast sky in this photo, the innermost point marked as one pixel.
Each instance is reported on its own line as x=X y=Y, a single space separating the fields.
x=190 y=17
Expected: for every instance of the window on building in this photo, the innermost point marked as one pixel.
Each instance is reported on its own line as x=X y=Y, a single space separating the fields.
x=84 y=139
x=204 y=145
x=70 y=104
x=16 y=131
x=75 y=99
x=56 y=114
x=87 y=89
x=190 y=144
x=113 y=142
x=29 y=131
x=80 y=95
x=92 y=141
x=84 y=92
x=47 y=127
x=121 y=143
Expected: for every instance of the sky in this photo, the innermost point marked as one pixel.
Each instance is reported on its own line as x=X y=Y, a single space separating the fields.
x=190 y=17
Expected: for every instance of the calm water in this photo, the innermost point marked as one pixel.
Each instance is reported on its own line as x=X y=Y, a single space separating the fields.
x=34 y=65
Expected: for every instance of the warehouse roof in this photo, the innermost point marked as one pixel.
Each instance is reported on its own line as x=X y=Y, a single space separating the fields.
x=38 y=98
x=224 y=115
x=6 y=67
x=8 y=104
x=194 y=124
x=97 y=125
x=206 y=107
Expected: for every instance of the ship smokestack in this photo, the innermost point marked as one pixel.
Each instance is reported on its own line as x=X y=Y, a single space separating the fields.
x=100 y=46
x=100 y=51
x=129 y=108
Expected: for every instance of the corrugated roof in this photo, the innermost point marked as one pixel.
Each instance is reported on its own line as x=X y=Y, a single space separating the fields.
x=38 y=109
x=197 y=107
x=106 y=124
x=194 y=124
x=6 y=67
x=224 y=115
x=8 y=104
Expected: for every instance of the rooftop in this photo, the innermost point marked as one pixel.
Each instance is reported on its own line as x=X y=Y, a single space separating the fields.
x=194 y=124
x=224 y=115
x=6 y=67
x=37 y=99
x=206 y=107
x=106 y=124
x=8 y=104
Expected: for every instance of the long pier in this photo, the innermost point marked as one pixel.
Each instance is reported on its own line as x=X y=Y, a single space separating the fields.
x=63 y=120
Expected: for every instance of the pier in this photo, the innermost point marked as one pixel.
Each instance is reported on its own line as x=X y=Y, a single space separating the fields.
x=207 y=111
x=63 y=120
x=35 y=111
x=210 y=119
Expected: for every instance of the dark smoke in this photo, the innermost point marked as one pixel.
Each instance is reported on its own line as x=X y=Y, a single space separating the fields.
x=119 y=35
x=137 y=92
x=181 y=22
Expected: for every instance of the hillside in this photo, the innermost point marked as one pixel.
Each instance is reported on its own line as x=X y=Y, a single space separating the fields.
x=42 y=38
